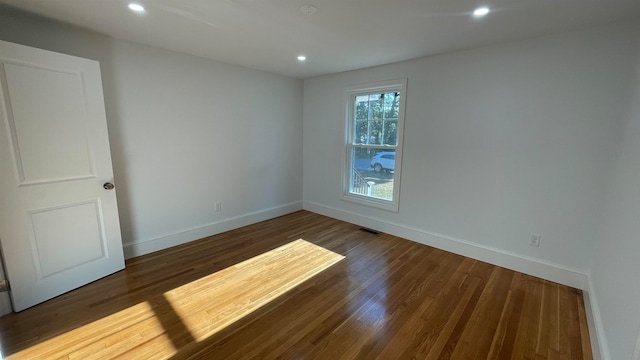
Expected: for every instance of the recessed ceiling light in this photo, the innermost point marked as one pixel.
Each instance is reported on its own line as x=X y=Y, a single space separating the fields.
x=302 y=58
x=136 y=7
x=481 y=11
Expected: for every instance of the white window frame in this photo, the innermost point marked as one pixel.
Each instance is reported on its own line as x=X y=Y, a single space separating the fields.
x=350 y=92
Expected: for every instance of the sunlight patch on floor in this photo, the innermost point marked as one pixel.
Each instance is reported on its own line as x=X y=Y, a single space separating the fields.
x=116 y=333
x=192 y=312
x=210 y=304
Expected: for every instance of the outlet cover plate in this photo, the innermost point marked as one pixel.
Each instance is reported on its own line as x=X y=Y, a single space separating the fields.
x=535 y=240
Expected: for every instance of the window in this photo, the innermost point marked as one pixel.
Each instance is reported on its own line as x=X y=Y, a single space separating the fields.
x=374 y=119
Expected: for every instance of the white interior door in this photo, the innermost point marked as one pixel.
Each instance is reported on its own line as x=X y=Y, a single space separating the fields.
x=59 y=226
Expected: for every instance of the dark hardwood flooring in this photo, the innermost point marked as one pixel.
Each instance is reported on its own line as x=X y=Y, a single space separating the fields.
x=232 y=296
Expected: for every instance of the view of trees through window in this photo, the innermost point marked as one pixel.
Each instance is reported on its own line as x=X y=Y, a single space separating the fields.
x=376 y=119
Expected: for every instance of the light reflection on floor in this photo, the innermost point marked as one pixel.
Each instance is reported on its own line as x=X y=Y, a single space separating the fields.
x=191 y=312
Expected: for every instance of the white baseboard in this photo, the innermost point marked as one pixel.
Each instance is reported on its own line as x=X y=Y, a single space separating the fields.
x=599 y=345
x=167 y=241
x=535 y=267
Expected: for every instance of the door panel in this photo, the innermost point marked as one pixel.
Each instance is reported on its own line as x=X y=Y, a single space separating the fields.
x=57 y=247
x=49 y=140
x=59 y=227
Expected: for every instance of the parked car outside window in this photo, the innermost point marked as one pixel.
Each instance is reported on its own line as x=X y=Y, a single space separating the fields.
x=384 y=161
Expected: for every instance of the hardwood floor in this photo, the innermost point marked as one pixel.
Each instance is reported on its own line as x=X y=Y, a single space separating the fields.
x=340 y=293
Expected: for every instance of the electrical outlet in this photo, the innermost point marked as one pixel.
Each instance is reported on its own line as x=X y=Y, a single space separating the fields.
x=535 y=239
x=218 y=206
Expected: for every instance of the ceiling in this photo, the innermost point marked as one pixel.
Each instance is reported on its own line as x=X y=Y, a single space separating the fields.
x=342 y=35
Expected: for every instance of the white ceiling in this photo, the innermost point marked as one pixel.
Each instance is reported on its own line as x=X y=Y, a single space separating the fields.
x=341 y=35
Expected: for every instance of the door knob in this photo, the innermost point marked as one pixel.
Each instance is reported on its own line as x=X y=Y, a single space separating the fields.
x=108 y=186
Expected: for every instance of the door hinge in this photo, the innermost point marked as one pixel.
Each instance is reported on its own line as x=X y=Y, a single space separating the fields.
x=4 y=286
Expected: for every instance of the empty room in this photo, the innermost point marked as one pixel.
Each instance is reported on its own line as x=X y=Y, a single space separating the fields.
x=319 y=179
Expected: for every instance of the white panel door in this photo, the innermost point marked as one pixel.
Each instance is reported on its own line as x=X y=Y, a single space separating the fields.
x=59 y=226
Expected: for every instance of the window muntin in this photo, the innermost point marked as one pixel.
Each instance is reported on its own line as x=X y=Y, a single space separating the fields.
x=374 y=119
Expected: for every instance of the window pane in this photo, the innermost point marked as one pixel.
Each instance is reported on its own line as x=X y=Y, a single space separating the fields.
x=361 y=108
x=390 y=132
x=377 y=106
x=360 y=133
x=391 y=103
x=375 y=135
x=372 y=172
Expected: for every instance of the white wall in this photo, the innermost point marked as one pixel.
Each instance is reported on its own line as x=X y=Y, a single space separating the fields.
x=194 y=132
x=500 y=142
x=185 y=133
x=617 y=259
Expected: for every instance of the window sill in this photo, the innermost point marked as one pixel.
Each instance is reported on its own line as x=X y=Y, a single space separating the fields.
x=371 y=202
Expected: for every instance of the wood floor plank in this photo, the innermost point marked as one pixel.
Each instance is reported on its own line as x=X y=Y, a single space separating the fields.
x=257 y=293
x=404 y=294
x=585 y=340
x=482 y=326
x=527 y=336
x=544 y=321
